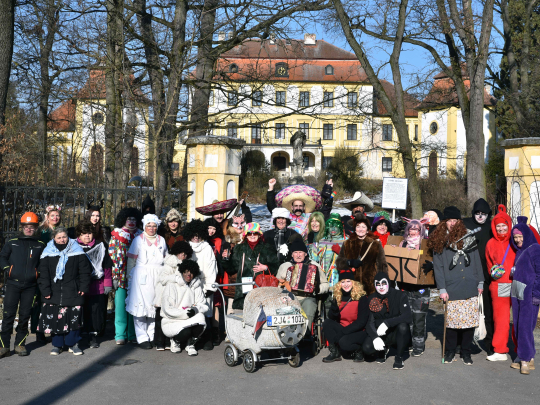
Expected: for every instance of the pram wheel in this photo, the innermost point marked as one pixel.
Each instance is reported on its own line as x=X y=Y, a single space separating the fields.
x=315 y=348
x=249 y=361
x=231 y=356
x=294 y=361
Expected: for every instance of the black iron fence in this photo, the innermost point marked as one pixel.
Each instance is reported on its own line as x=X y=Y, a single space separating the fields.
x=19 y=198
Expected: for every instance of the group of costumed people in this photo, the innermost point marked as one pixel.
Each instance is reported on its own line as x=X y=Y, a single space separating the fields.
x=165 y=275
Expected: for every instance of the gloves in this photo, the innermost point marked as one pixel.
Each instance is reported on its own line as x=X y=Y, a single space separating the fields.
x=191 y=312
x=115 y=284
x=354 y=263
x=427 y=267
x=336 y=248
x=381 y=330
x=209 y=294
x=283 y=249
x=108 y=290
x=378 y=344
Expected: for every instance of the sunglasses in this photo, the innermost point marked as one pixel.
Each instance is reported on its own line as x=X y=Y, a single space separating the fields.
x=252 y=233
x=415 y=229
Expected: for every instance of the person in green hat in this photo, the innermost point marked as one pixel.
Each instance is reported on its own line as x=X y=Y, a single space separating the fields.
x=326 y=250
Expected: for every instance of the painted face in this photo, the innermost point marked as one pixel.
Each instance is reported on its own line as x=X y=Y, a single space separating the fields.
x=334 y=230
x=187 y=276
x=480 y=217
x=281 y=223
x=218 y=217
x=61 y=238
x=382 y=286
x=195 y=239
x=382 y=228
x=53 y=217
x=502 y=229
x=346 y=285
x=299 y=256
x=131 y=223
x=150 y=229
x=173 y=225
x=86 y=238
x=181 y=256
x=315 y=226
x=211 y=231
x=450 y=224
x=518 y=240
x=239 y=223
x=359 y=209
x=361 y=230
x=298 y=207
x=29 y=230
x=95 y=217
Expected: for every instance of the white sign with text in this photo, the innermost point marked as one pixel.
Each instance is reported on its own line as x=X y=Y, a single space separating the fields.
x=394 y=193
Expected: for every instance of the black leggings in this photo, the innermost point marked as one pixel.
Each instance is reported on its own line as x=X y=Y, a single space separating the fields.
x=398 y=336
x=159 y=338
x=333 y=332
x=463 y=336
x=188 y=333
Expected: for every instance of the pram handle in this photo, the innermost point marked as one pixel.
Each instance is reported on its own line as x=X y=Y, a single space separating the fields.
x=215 y=285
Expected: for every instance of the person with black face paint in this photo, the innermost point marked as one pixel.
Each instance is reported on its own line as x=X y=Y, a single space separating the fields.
x=388 y=323
x=481 y=217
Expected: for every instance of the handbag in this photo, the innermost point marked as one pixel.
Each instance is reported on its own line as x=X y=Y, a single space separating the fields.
x=497 y=270
x=266 y=280
x=480 y=331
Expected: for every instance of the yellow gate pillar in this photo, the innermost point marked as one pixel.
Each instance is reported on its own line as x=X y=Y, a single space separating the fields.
x=213 y=170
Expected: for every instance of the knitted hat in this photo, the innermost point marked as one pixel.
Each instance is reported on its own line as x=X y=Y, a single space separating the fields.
x=252 y=227
x=346 y=275
x=297 y=246
x=150 y=218
x=452 y=213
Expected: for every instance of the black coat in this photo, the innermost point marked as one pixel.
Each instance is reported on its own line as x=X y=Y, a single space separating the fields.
x=19 y=260
x=483 y=236
x=399 y=312
x=76 y=278
x=269 y=239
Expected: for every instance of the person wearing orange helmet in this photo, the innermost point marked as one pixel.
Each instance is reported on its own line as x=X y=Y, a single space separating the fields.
x=19 y=259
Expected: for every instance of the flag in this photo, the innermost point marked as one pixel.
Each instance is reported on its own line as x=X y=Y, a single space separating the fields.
x=261 y=320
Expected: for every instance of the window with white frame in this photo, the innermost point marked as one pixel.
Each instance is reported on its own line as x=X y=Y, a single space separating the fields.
x=386 y=164
x=304 y=99
x=328 y=99
x=328 y=131
x=280 y=131
x=256 y=98
x=352 y=100
x=352 y=130
x=387 y=132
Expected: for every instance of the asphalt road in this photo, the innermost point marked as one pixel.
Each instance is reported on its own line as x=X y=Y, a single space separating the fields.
x=128 y=375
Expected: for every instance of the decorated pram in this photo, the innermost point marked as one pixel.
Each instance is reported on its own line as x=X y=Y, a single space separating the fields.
x=272 y=320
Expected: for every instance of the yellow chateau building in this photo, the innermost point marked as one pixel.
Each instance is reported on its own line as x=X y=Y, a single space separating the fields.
x=266 y=90
x=76 y=131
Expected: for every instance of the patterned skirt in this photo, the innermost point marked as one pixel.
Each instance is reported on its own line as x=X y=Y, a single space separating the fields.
x=55 y=319
x=462 y=314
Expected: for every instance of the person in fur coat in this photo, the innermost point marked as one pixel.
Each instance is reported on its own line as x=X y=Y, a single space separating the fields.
x=183 y=306
x=500 y=252
x=364 y=252
x=196 y=233
x=525 y=294
x=233 y=237
x=178 y=252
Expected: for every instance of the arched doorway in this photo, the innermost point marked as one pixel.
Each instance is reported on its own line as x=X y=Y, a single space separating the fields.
x=433 y=165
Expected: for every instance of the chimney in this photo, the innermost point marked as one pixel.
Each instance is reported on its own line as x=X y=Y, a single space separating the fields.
x=221 y=36
x=272 y=39
x=310 y=39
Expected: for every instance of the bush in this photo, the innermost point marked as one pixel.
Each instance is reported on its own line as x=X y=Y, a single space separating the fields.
x=255 y=171
x=346 y=169
x=442 y=192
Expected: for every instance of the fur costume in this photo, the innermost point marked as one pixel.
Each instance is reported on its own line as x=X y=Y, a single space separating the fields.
x=500 y=289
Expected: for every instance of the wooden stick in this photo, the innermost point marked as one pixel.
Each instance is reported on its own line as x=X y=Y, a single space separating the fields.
x=444 y=333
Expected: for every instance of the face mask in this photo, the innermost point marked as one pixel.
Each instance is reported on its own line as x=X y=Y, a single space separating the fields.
x=480 y=217
x=382 y=286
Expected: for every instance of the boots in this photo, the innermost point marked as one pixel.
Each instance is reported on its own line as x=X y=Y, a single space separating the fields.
x=358 y=356
x=525 y=368
x=216 y=339
x=531 y=364
x=207 y=336
x=21 y=350
x=5 y=352
x=334 y=354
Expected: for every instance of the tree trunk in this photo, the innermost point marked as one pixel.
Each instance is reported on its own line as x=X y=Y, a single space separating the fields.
x=7 y=27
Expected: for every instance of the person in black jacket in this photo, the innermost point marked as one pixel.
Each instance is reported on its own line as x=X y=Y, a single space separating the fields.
x=280 y=235
x=389 y=320
x=64 y=278
x=481 y=217
x=344 y=329
x=19 y=260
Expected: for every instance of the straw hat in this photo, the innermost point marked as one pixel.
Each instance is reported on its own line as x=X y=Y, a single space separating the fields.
x=300 y=192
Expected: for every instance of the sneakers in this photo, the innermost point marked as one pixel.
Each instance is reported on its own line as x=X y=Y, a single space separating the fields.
x=21 y=350
x=191 y=351
x=94 y=343
x=333 y=356
x=398 y=363
x=5 y=352
x=381 y=360
x=76 y=350
x=467 y=360
x=358 y=356
x=145 y=345
x=516 y=364
x=56 y=351
x=497 y=357
x=531 y=364
x=160 y=348
x=121 y=342
x=417 y=352
x=175 y=347
x=449 y=357
x=525 y=369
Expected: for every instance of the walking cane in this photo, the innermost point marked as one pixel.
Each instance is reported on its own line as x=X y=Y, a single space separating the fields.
x=444 y=333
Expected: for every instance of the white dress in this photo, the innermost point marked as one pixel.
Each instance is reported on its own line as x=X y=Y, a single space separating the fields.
x=203 y=254
x=143 y=277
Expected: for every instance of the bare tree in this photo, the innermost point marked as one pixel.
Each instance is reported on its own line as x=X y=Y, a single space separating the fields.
x=7 y=27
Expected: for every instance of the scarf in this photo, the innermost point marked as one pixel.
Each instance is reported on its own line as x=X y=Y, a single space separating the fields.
x=469 y=245
x=413 y=242
x=72 y=248
x=150 y=239
x=377 y=304
x=280 y=237
x=253 y=244
x=382 y=238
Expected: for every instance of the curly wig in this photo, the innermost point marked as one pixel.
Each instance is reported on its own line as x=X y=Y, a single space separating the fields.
x=124 y=214
x=357 y=291
x=319 y=217
x=191 y=266
x=219 y=230
x=181 y=247
x=195 y=227
x=441 y=238
x=84 y=227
